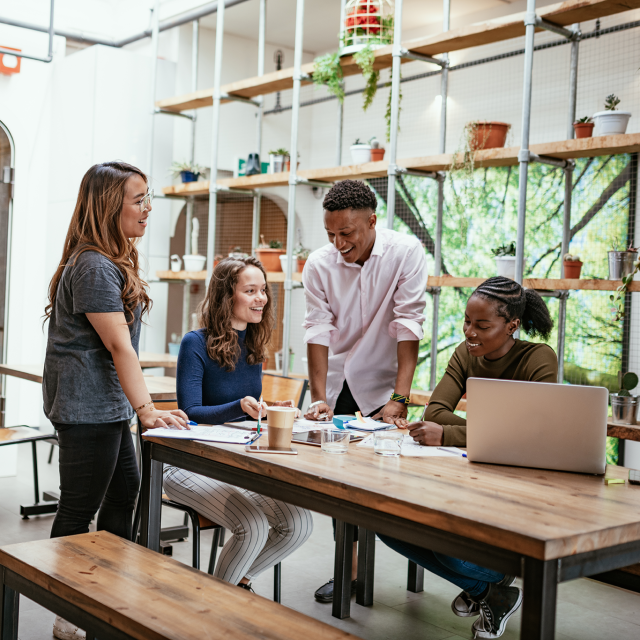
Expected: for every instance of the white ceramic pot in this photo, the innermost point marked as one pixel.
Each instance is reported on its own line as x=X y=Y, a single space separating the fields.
x=360 y=153
x=611 y=123
x=283 y=263
x=276 y=163
x=506 y=266
x=194 y=263
x=176 y=264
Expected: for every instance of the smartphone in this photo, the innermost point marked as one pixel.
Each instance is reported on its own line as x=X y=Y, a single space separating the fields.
x=315 y=437
x=256 y=448
x=634 y=476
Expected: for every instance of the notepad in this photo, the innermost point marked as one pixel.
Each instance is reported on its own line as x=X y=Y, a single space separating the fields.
x=213 y=433
x=367 y=424
x=299 y=426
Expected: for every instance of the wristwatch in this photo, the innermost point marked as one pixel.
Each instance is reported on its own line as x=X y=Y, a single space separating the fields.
x=313 y=404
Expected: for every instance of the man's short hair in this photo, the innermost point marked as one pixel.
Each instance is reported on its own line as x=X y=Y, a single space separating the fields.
x=350 y=194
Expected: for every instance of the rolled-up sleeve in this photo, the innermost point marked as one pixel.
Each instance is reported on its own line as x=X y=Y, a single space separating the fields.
x=319 y=321
x=410 y=298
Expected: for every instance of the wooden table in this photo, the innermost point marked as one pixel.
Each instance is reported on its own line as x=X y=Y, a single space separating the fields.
x=160 y=387
x=545 y=526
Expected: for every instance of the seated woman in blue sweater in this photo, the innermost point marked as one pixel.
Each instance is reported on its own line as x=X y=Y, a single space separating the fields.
x=220 y=380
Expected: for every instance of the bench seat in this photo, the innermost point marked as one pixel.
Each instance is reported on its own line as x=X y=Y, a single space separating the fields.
x=114 y=588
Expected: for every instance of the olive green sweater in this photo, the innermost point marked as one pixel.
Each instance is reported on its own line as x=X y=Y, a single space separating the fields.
x=525 y=361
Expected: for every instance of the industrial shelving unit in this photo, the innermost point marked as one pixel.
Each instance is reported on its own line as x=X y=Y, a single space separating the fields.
x=562 y=18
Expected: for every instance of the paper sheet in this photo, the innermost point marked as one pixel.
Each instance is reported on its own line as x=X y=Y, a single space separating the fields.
x=213 y=433
x=368 y=425
x=299 y=426
x=411 y=448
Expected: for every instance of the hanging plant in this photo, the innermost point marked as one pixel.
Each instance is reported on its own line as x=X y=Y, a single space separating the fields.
x=365 y=59
x=328 y=72
x=387 y=115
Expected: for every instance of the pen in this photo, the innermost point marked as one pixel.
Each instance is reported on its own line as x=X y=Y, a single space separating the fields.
x=192 y=423
x=259 y=413
x=258 y=435
x=457 y=453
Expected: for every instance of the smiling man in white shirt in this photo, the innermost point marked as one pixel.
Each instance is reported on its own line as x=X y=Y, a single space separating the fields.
x=365 y=299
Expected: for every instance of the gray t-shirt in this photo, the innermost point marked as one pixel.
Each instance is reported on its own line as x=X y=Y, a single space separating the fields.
x=80 y=381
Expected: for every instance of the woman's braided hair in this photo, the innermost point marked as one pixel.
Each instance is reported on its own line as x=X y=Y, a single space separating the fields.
x=514 y=301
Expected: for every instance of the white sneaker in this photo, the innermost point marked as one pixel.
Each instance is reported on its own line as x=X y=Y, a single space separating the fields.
x=64 y=630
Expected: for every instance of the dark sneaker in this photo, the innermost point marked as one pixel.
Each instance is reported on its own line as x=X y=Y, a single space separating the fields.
x=325 y=592
x=246 y=587
x=466 y=606
x=495 y=610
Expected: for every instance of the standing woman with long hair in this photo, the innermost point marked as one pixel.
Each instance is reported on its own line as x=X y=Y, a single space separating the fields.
x=92 y=376
x=220 y=380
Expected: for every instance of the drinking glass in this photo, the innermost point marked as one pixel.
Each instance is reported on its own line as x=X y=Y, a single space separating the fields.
x=335 y=440
x=388 y=443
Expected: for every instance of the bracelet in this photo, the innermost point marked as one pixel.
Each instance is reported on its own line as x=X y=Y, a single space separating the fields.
x=396 y=397
x=144 y=406
x=317 y=402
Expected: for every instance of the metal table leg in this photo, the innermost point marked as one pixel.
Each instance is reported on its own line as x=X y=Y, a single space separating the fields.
x=415 y=578
x=9 y=603
x=342 y=571
x=366 y=566
x=539 y=606
x=150 y=500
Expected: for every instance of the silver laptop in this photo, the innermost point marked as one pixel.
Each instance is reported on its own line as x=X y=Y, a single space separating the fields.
x=537 y=424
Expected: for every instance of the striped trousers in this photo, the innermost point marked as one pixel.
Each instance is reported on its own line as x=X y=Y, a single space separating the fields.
x=264 y=531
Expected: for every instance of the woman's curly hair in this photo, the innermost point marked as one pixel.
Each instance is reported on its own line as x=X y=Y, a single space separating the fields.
x=514 y=301
x=216 y=313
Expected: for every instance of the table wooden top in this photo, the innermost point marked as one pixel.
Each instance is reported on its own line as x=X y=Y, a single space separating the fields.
x=160 y=387
x=152 y=597
x=542 y=514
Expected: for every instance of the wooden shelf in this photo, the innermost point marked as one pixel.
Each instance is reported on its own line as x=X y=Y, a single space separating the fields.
x=537 y=283
x=564 y=149
x=182 y=276
x=478 y=34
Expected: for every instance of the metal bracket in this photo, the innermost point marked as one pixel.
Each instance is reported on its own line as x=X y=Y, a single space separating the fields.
x=302 y=76
x=434 y=291
x=8 y=175
x=245 y=192
x=295 y=180
x=524 y=155
x=405 y=53
x=230 y=96
x=395 y=170
x=188 y=116
x=562 y=294
x=569 y=34
x=554 y=162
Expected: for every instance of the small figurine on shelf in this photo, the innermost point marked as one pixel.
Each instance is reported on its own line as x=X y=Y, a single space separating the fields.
x=194 y=261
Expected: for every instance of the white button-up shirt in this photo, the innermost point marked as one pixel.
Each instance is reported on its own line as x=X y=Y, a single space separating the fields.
x=362 y=312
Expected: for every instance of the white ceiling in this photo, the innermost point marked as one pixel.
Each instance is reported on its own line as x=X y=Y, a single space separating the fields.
x=322 y=17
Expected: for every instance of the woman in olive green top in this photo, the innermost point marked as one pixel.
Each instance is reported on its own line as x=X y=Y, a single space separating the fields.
x=495 y=311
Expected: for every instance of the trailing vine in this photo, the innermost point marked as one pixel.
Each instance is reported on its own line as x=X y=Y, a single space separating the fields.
x=365 y=59
x=387 y=115
x=328 y=72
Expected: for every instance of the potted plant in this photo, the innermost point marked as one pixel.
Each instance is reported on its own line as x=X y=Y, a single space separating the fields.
x=302 y=255
x=269 y=254
x=237 y=253
x=572 y=266
x=624 y=406
x=621 y=263
x=486 y=135
x=277 y=159
x=287 y=162
x=360 y=152
x=584 y=127
x=367 y=23
x=217 y=259
x=377 y=152
x=505 y=256
x=187 y=171
x=611 y=121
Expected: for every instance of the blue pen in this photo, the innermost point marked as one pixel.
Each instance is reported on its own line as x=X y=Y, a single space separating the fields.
x=457 y=453
x=192 y=423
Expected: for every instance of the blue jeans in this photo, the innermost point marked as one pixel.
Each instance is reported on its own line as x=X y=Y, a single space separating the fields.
x=469 y=577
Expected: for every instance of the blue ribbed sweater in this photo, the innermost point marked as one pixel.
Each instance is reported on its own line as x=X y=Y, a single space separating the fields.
x=208 y=393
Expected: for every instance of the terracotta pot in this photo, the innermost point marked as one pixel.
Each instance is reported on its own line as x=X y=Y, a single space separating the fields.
x=288 y=165
x=583 y=129
x=301 y=263
x=488 y=135
x=377 y=155
x=572 y=269
x=270 y=258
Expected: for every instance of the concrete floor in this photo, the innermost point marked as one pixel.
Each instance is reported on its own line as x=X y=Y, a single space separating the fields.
x=586 y=610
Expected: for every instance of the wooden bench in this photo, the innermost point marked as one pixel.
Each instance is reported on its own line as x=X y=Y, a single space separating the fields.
x=115 y=589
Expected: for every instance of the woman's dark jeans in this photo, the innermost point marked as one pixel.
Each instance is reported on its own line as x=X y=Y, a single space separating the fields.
x=98 y=470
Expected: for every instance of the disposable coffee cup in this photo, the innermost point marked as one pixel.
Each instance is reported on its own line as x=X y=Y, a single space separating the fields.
x=280 y=426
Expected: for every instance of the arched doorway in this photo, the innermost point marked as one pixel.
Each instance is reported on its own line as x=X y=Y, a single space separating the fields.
x=6 y=199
